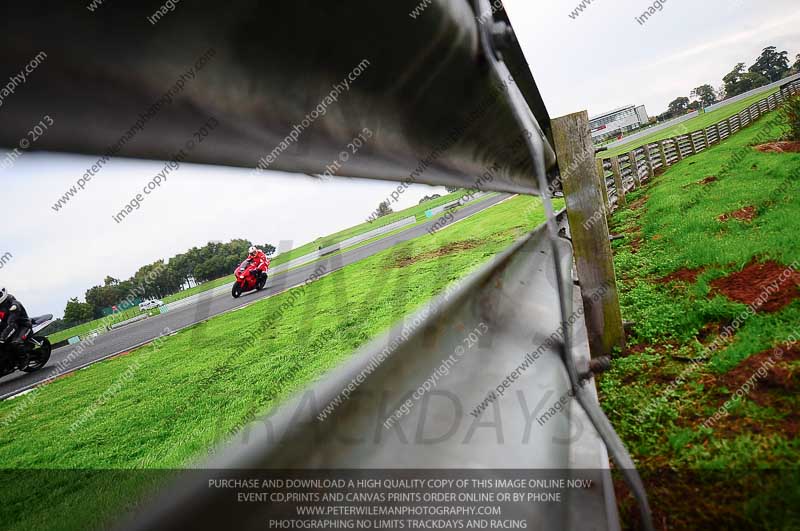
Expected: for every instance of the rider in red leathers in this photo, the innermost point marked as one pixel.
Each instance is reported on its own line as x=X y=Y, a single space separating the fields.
x=259 y=259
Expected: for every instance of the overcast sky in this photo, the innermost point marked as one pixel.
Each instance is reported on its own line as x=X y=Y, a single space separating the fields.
x=601 y=60
x=604 y=59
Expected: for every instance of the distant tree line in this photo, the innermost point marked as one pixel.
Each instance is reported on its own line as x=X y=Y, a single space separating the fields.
x=212 y=261
x=768 y=67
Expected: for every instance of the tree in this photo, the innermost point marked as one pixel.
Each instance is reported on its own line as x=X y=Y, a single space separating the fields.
x=678 y=106
x=706 y=95
x=78 y=312
x=771 y=64
x=737 y=81
x=268 y=249
x=796 y=65
x=384 y=209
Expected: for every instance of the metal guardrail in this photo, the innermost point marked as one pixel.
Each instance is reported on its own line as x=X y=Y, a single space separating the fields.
x=344 y=244
x=136 y=319
x=512 y=299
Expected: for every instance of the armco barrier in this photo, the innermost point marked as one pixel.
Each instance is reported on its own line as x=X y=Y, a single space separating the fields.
x=310 y=257
x=129 y=321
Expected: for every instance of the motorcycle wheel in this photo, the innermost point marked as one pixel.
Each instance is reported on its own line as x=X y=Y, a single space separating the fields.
x=236 y=291
x=40 y=356
x=262 y=281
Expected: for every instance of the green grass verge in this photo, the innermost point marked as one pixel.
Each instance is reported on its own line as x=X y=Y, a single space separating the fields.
x=695 y=124
x=205 y=381
x=708 y=476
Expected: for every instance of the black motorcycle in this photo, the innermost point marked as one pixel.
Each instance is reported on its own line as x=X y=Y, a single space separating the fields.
x=34 y=353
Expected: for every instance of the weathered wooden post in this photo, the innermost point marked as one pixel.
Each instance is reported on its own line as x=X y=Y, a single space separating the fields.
x=677 y=148
x=618 y=181
x=601 y=175
x=637 y=183
x=589 y=230
x=663 y=153
x=649 y=162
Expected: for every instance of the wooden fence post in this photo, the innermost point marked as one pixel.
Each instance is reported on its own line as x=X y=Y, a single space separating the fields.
x=663 y=153
x=705 y=136
x=694 y=146
x=589 y=230
x=649 y=162
x=601 y=174
x=634 y=170
x=677 y=148
x=618 y=181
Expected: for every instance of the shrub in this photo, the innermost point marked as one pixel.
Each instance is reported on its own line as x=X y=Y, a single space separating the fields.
x=792 y=112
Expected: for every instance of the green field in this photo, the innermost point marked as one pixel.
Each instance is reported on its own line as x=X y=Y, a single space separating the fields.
x=417 y=210
x=203 y=382
x=695 y=124
x=711 y=476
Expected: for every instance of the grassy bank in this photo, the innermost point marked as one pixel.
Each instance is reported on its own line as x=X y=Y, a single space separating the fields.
x=418 y=211
x=203 y=382
x=706 y=397
x=695 y=124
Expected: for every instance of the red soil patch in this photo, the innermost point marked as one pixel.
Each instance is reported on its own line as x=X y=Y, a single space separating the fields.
x=768 y=286
x=747 y=213
x=779 y=147
x=692 y=499
x=639 y=203
x=773 y=382
x=450 y=248
x=633 y=229
x=684 y=275
x=635 y=245
x=775 y=368
x=707 y=180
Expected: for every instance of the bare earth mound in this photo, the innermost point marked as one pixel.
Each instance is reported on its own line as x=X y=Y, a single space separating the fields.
x=769 y=286
x=450 y=248
x=747 y=213
x=779 y=147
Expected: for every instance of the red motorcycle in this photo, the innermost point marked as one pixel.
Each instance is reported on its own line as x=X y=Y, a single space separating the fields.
x=248 y=278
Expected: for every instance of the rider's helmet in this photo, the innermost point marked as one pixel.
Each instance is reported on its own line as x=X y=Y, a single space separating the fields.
x=3 y=294
x=253 y=250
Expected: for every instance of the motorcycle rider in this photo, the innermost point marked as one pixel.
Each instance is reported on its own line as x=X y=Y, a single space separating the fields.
x=259 y=259
x=14 y=322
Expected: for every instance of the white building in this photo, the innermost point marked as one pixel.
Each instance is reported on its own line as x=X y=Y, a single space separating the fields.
x=618 y=121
